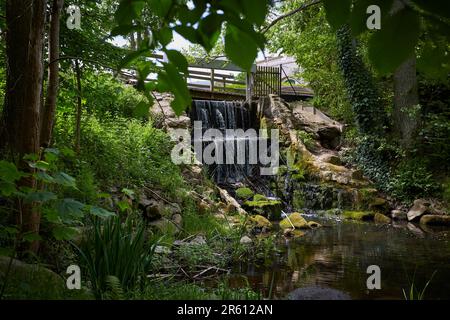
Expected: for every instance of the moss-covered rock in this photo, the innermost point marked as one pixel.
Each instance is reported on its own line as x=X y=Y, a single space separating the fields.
x=358 y=215
x=381 y=218
x=244 y=193
x=263 y=206
x=379 y=204
x=260 y=221
x=293 y=233
x=435 y=220
x=314 y=224
x=296 y=219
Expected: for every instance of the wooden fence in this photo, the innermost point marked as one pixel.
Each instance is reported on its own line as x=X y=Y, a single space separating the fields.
x=267 y=80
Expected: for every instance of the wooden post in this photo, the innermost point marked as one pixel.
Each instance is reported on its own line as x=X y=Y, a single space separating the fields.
x=211 y=88
x=249 y=86
x=224 y=82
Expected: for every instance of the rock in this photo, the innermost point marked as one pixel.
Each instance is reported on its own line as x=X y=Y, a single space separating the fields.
x=317 y=293
x=415 y=230
x=263 y=205
x=203 y=207
x=30 y=281
x=419 y=208
x=296 y=219
x=398 y=215
x=162 y=250
x=379 y=204
x=435 y=220
x=177 y=219
x=245 y=240
x=358 y=215
x=381 y=218
x=173 y=208
x=244 y=193
x=357 y=175
x=165 y=226
x=198 y=240
x=260 y=221
x=314 y=225
x=154 y=211
x=288 y=233
x=330 y=137
x=330 y=158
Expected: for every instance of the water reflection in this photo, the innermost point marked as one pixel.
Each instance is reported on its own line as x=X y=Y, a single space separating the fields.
x=337 y=256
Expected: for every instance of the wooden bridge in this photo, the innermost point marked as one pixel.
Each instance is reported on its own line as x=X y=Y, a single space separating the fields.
x=223 y=80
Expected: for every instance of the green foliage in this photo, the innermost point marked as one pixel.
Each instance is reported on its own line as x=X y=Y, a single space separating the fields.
x=306 y=138
x=412 y=180
x=363 y=95
x=414 y=293
x=200 y=24
x=196 y=255
x=117 y=249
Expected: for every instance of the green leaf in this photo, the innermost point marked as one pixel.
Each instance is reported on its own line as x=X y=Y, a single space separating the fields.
x=40 y=196
x=164 y=35
x=241 y=55
x=395 y=42
x=64 y=179
x=70 y=208
x=128 y=10
x=30 y=237
x=64 y=233
x=7 y=188
x=178 y=60
x=123 y=205
x=171 y=78
x=141 y=110
x=100 y=212
x=51 y=215
x=189 y=33
x=359 y=15
x=210 y=28
x=41 y=165
x=337 y=12
x=128 y=192
x=255 y=10
x=160 y=7
x=9 y=172
x=45 y=177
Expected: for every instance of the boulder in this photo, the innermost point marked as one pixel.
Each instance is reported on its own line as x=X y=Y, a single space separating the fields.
x=260 y=222
x=379 y=204
x=177 y=219
x=198 y=240
x=245 y=240
x=398 y=215
x=288 y=233
x=330 y=137
x=381 y=218
x=154 y=211
x=331 y=158
x=419 y=208
x=30 y=281
x=165 y=226
x=435 y=220
x=244 y=193
x=314 y=225
x=296 y=219
x=357 y=175
x=358 y=215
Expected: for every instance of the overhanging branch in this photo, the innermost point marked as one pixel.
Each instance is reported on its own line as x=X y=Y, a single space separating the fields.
x=288 y=14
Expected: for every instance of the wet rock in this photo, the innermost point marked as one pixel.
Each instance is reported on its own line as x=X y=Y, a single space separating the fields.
x=317 y=293
x=415 y=230
x=435 y=220
x=381 y=218
x=379 y=204
x=419 y=208
x=260 y=222
x=154 y=211
x=296 y=220
x=398 y=215
x=289 y=233
x=245 y=240
x=314 y=224
x=330 y=137
x=165 y=226
x=264 y=206
x=358 y=215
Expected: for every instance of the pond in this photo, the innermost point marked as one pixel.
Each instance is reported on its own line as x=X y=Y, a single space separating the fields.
x=337 y=256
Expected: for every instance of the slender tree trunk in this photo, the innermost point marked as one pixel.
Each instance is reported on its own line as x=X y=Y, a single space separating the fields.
x=79 y=107
x=406 y=97
x=20 y=120
x=48 y=114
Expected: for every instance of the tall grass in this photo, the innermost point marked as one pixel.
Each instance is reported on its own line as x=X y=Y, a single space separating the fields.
x=116 y=249
x=414 y=293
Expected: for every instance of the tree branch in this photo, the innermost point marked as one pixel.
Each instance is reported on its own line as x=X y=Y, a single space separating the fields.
x=288 y=14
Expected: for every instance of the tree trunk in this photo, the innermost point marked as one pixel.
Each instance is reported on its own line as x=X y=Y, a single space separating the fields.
x=79 y=110
x=406 y=97
x=20 y=120
x=48 y=113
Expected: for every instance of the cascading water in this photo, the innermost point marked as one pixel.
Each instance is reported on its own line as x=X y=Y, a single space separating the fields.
x=223 y=115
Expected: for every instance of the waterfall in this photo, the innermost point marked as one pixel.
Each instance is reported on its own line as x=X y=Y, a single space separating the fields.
x=224 y=115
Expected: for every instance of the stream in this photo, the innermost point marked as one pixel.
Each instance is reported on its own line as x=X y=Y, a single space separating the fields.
x=337 y=256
